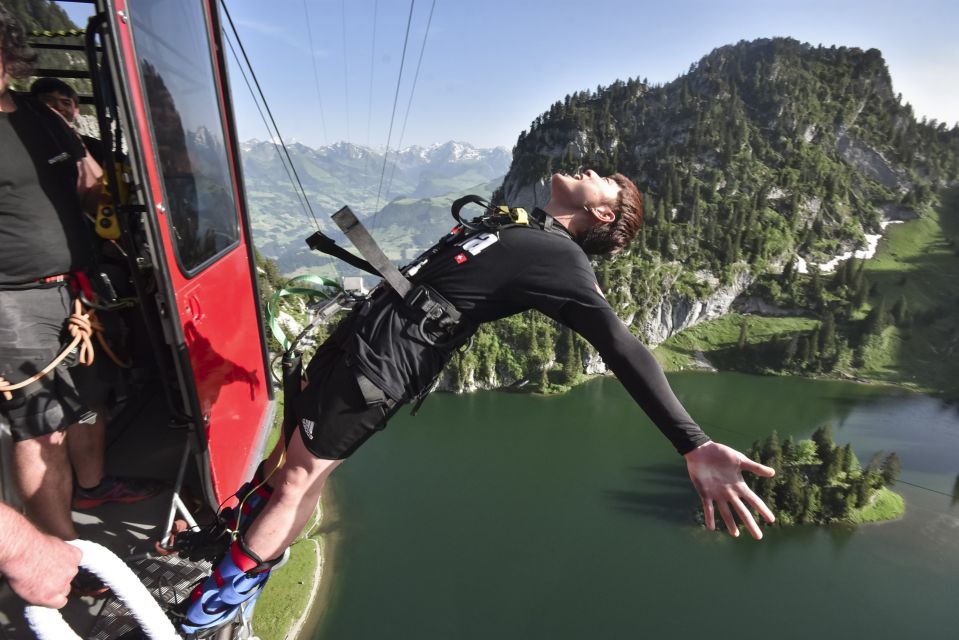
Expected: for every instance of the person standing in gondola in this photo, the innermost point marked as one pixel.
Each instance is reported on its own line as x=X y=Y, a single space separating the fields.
x=47 y=180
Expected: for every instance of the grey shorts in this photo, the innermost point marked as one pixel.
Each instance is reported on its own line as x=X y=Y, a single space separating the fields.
x=32 y=333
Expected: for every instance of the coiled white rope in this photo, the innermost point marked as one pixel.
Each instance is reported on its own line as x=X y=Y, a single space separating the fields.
x=48 y=624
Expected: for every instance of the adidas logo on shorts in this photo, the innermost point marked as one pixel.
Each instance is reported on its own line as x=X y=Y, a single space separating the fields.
x=308 y=428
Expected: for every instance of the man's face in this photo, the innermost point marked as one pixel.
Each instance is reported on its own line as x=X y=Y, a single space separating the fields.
x=64 y=105
x=586 y=189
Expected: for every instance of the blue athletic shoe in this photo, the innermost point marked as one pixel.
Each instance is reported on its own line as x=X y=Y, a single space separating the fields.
x=218 y=599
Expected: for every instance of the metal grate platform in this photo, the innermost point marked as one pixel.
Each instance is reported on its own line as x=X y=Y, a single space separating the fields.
x=168 y=578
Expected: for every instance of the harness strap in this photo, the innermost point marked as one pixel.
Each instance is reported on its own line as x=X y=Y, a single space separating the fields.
x=321 y=242
x=364 y=242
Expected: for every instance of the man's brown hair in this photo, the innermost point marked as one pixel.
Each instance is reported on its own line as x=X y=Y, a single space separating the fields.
x=42 y=86
x=18 y=57
x=616 y=235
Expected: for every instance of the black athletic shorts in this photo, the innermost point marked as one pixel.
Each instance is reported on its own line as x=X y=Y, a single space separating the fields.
x=32 y=332
x=340 y=409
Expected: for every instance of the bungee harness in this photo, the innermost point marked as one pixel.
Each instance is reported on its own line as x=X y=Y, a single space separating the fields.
x=438 y=322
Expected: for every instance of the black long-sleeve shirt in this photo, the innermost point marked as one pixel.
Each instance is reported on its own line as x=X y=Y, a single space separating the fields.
x=500 y=274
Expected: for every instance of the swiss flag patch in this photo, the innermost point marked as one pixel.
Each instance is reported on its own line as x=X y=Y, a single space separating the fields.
x=460 y=258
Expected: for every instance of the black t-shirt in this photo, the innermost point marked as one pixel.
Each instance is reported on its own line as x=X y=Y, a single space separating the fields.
x=42 y=231
x=495 y=275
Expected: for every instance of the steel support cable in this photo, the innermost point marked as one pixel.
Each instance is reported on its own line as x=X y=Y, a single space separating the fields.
x=369 y=108
x=396 y=97
x=409 y=104
x=266 y=125
x=288 y=166
x=346 y=70
x=246 y=58
x=316 y=74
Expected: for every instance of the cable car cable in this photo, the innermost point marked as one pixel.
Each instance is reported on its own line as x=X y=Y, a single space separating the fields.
x=267 y=126
x=319 y=237
x=346 y=71
x=316 y=75
x=409 y=104
x=396 y=97
x=266 y=105
x=369 y=108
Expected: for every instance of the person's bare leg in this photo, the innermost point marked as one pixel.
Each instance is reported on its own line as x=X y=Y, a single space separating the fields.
x=85 y=444
x=274 y=462
x=296 y=490
x=42 y=469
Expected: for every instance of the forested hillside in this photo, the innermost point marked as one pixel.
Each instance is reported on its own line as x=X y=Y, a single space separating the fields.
x=763 y=153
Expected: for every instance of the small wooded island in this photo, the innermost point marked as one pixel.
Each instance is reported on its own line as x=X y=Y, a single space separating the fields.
x=820 y=482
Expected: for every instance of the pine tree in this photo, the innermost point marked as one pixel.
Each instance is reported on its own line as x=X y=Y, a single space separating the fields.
x=822 y=437
x=827 y=336
x=743 y=334
x=900 y=312
x=861 y=290
x=890 y=468
x=772 y=452
x=573 y=365
x=805 y=354
x=877 y=320
x=790 y=353
x=789 y=272
x=848 y=457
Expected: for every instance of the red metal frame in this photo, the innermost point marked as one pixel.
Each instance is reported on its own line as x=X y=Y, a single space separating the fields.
x=216 y=310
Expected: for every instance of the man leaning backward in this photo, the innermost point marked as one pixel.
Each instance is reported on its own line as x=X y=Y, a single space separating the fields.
x=380 y=358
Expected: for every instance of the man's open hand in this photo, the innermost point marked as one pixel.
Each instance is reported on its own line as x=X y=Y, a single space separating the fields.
x=716 y=472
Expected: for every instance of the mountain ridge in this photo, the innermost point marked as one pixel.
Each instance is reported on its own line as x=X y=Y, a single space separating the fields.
x=390 y=190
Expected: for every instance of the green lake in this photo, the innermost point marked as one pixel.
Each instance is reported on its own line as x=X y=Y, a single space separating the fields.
x=498 y=515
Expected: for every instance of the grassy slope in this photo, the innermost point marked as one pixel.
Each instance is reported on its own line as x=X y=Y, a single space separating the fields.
x=886 y=505
x=918 y=260
x=287 y=594
x=721 y=334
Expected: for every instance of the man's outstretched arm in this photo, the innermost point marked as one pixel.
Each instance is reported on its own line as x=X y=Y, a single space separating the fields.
x=714 y=469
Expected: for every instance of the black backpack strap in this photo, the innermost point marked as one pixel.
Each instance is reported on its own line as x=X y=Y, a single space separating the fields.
x=322 y=242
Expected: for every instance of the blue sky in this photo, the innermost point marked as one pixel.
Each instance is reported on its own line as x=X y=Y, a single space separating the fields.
x=491 y=66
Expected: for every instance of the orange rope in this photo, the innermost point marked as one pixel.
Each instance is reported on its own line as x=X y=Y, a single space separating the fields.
x=98 y=329
x=80 y=327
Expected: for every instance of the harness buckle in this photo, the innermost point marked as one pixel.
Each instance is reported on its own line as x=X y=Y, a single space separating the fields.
x=435 y=309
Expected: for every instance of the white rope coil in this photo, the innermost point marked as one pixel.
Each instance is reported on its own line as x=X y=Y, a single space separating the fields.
x=48 y=624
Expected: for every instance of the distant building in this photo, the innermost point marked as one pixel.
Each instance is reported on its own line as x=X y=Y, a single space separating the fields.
x=355 y=284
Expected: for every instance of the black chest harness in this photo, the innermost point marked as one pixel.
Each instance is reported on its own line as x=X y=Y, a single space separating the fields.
x=440 y=323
